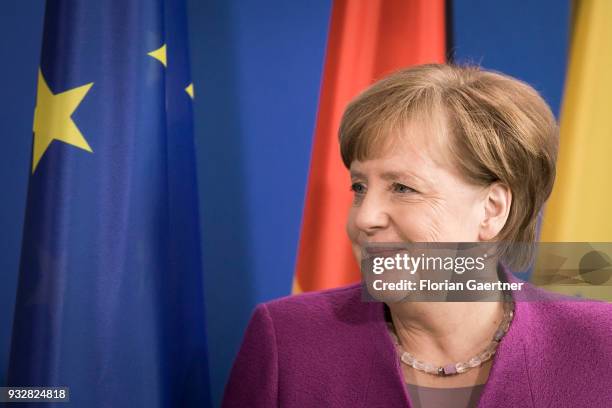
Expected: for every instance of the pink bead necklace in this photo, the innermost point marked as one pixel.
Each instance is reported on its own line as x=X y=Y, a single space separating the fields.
x=461 y=367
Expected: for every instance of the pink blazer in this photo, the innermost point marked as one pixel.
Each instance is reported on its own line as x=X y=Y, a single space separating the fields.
x=330 y=349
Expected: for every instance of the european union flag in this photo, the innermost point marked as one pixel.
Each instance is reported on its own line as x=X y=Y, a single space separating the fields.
x=110 y=298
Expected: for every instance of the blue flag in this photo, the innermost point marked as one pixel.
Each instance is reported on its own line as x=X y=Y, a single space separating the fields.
x=110 y=295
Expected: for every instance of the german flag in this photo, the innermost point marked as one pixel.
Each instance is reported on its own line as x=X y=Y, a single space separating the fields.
x=367 y=40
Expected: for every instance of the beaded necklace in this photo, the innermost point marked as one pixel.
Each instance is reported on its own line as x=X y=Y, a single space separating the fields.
x=461 y=367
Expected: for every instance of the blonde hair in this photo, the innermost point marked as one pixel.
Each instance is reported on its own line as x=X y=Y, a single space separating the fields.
x=500 y=130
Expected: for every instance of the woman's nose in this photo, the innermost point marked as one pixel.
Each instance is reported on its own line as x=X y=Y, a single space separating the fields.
x=371 y=214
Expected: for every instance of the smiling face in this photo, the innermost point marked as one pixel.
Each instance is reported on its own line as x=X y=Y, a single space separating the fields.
x=413 y=193
x=478 y=132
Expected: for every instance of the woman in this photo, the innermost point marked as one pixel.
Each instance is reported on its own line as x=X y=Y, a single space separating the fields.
x=436 y=153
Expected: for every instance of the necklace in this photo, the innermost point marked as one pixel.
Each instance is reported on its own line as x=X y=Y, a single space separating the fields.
x=461 y=367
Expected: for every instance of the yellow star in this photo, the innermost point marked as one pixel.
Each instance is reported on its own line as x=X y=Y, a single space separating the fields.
x=160 y=55
x=190 y=91
x=52 y=119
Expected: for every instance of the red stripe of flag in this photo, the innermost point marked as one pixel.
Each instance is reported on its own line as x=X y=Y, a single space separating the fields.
x=367 y=40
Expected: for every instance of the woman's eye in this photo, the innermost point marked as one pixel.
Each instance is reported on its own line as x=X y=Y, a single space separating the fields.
x=358 y=188
x=401 y=188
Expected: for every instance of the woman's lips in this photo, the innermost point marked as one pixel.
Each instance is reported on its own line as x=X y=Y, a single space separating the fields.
x=382 y=248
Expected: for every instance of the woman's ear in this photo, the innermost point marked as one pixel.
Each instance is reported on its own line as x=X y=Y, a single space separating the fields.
x=497 y=208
